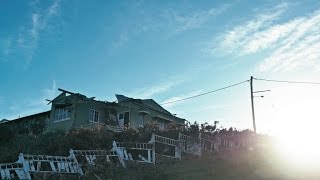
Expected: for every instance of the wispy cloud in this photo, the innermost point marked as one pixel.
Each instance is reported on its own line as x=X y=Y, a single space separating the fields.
x=40 y=24
x=52 y=92
x=181 y=23
x=159 y=88
x=26 y=41
x=299 y=48
x=41 y=20
x=210 y=108
x=290 y=45
x=153 y=90
x=120 y=42
x=35 y=26
x=53 y=9
x=169 y=83
x=35 y=105
x=237 y=39
x=175 y=98
x=169 y=22
x=6 y=46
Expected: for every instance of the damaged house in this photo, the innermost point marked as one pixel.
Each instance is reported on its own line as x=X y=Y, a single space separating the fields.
x=136 y=112
x=73 y=110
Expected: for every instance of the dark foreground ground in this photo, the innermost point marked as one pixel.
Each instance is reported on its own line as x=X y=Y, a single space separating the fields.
x=238 y=165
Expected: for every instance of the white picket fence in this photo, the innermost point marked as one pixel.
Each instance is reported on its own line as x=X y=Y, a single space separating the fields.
x=190 y=145
x=28 y=165
x=168 y=142
x=92 y=155
x=33 y=164
x=47 y=164
x=12 y=170
x=146 y=148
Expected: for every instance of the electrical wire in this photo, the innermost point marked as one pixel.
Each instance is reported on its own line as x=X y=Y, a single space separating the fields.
x=202 y=94
x=280 y=81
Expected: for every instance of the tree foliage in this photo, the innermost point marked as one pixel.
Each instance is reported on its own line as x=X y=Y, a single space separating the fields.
x=34 y=140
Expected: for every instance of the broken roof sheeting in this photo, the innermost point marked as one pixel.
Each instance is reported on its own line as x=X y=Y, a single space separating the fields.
x=122 y=98
x=146 y=102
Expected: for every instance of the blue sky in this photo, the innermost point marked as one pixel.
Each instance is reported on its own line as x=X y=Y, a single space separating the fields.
x=165 y=50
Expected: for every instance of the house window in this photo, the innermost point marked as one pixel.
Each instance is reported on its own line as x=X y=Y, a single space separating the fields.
x=141 y=120
x=161 y=125
x=120 y=116
x=61 y=114
x=124 y=118
x=94 y=115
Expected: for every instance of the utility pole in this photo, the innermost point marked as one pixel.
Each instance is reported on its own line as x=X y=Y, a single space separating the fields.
x=252 y=106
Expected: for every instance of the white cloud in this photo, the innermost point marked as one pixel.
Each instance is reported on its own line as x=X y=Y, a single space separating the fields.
x=40 y=21
x=176 y=98
x=20 y=40
x=35 y=26
x=53 y=9
x=170 y=22
x=120 y=42
x=290 y=45
x=236 y=40
x=169 y=83
x=47 y=93
x=52 y=92
x=151 y=91
x=160 y=88
x=6 y=46
x=181 y=23
x=26 y=41
x=209 y=108
x=35 y=105
x=299 y=49
x=268 y=37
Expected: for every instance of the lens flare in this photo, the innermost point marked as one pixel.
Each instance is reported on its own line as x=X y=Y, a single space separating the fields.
x=300 y=149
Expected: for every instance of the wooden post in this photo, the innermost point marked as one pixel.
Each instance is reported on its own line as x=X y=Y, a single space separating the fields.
x=149 y=156
x=153 y=142
x=252 y=105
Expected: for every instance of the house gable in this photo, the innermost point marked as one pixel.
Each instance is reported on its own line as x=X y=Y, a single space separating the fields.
x=147 y=110
x=73 y=110
x=151 y=103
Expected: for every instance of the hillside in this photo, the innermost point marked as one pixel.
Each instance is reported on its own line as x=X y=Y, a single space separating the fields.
x=227 y=163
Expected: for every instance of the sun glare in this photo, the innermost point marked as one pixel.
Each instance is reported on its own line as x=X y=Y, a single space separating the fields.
x=292 y=114
x=297 y=128
x=301 y=149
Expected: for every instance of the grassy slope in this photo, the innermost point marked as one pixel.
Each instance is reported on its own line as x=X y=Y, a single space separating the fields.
x=240 y=164
x=228 y=165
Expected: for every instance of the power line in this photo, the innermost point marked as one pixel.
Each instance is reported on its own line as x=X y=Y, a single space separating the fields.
x=280 y=81
x=183 y=99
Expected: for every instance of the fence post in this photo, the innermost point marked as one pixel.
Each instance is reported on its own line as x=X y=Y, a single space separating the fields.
x=177 y=149
x=25 y=166
x=119 y=153
x=153 y=142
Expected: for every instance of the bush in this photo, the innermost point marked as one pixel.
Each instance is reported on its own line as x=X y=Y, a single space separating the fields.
x=6 y=133
x=54 y=143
